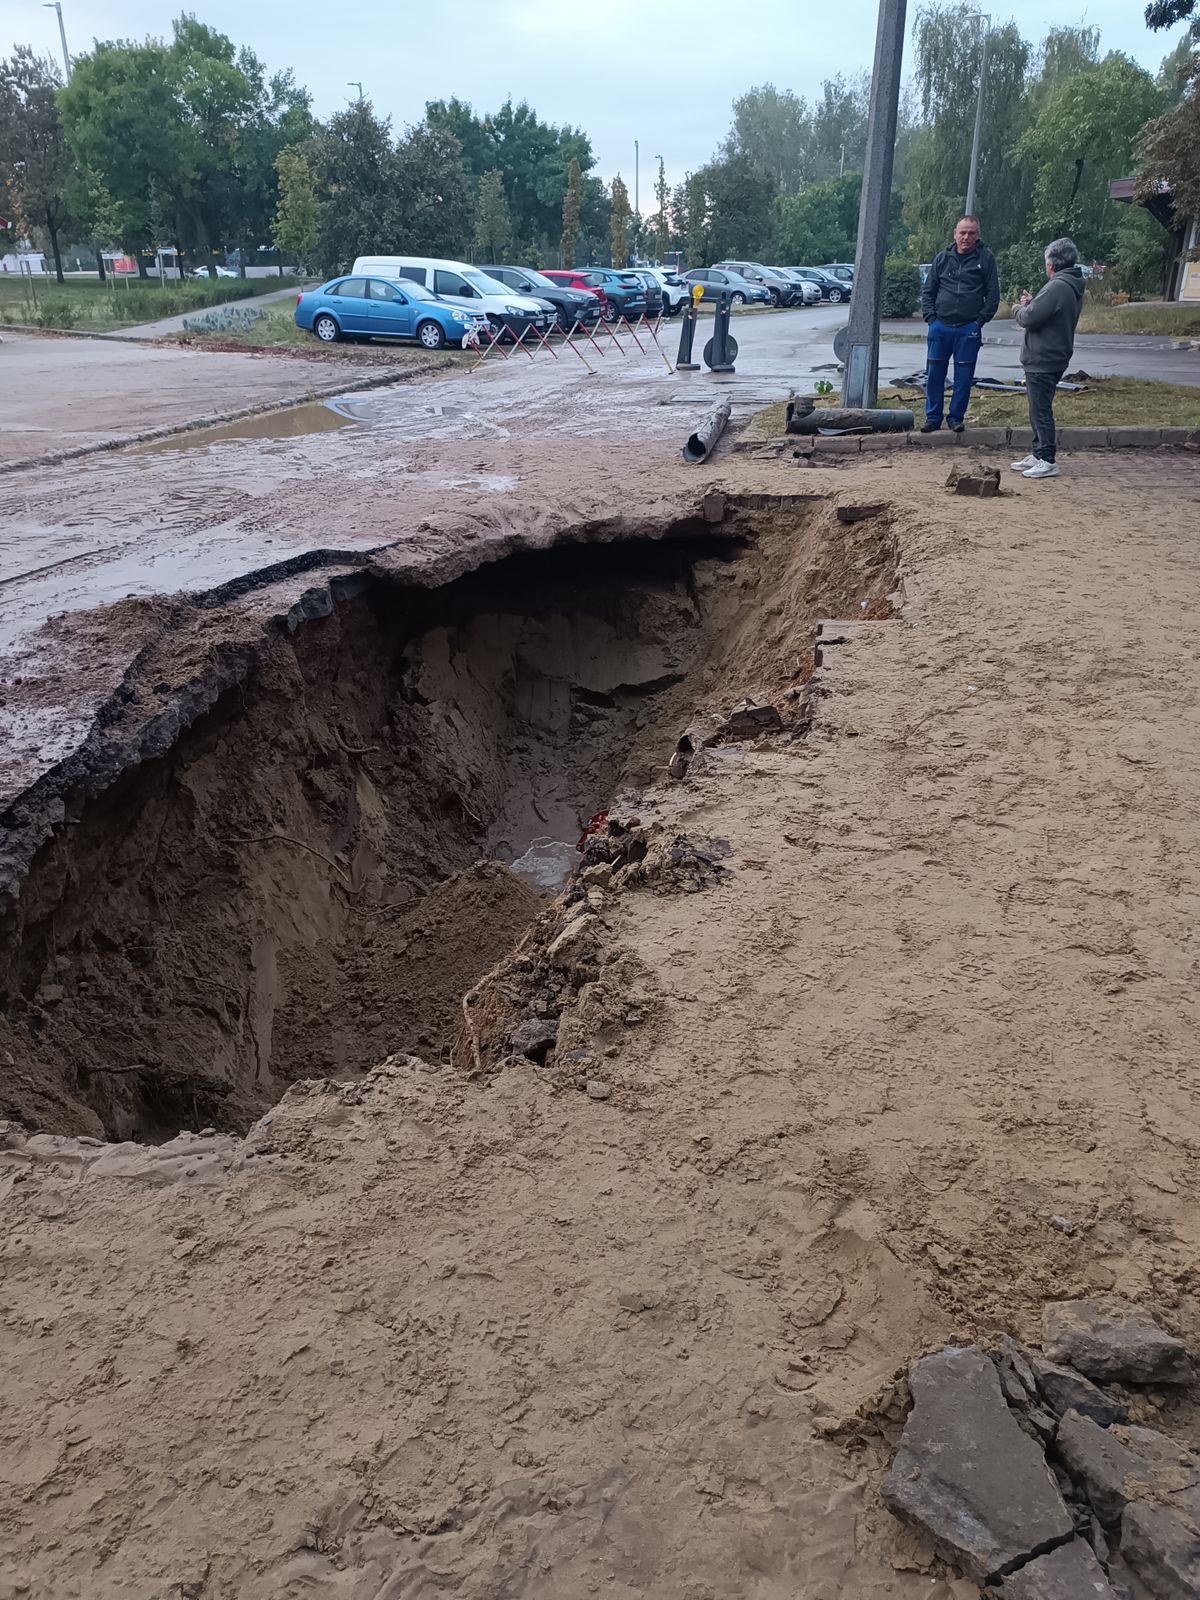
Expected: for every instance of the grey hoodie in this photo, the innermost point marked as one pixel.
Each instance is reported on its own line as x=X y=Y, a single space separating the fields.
x=1049 y=322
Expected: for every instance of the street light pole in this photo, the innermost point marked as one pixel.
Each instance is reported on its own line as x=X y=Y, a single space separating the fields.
x=860 y=387
x=970 y=206
x=350 y=84
x=55 y=5
x=637 y=186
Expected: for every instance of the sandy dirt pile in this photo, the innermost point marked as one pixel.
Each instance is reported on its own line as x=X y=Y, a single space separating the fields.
x=918 y=1058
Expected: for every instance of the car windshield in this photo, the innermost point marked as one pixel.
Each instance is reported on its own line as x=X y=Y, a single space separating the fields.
x=485 y=285
x=415 y=291
x=538 y=280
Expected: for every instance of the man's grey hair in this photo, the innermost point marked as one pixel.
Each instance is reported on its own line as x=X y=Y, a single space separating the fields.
x=1062 y=253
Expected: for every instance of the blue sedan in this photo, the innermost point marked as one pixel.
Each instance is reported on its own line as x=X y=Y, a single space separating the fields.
x=370 y=308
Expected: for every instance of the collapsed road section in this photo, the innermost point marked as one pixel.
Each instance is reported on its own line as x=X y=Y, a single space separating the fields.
x=314 y=872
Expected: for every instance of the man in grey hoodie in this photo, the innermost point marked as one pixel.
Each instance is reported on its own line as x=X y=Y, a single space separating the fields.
x=1049 y=320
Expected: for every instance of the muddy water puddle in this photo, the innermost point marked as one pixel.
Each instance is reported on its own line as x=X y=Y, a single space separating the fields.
x=295 y=422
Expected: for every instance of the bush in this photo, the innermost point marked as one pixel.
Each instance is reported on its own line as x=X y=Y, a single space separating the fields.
x=58 y=314
x=901 y=287
x=1021 y=266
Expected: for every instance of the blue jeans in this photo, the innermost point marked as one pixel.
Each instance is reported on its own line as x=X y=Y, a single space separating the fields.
x=963 y=344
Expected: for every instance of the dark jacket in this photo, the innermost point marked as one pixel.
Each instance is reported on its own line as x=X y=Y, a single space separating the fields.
x=962 y=289
x=1049 y=322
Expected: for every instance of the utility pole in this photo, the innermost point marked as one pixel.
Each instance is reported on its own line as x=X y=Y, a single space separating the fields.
x=55 y=5
x=970 y=207
x=350 y=84
x=637 y=189
x=860 y=387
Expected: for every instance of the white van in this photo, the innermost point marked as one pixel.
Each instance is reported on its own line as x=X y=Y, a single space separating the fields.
x=457 y=281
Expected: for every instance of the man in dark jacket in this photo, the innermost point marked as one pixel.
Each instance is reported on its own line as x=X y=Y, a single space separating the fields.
x=1049 y=320
x=961 y=293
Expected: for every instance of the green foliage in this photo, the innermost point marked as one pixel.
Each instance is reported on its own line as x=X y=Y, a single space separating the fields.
x=662 y=216
x=297 y=215
x=1169 y=146
x=793 y=144
x=1083 y=134
x=1021 y=266
x=57 y=314
x=493 y=227
x=34 y=157
x=1139 y=257
x=823 y=387
x=572 y=213
x=619 y=222
x=901 y=294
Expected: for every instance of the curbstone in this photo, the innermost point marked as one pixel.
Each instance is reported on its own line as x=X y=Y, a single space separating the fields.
x=1082 y=438
x=1175 y=435
x=986 y=438
x=1132 y=438
x=883 y=441
x=1020 y=439
x=935 y=441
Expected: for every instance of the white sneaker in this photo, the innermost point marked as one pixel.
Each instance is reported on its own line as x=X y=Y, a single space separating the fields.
x=1024 y=464
x=1041 y=469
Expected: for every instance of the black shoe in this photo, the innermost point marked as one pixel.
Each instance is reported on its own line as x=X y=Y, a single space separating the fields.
x=932 y=427
x=958 y=427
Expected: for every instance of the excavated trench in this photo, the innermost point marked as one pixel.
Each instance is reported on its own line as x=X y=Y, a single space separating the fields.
x=316 y=871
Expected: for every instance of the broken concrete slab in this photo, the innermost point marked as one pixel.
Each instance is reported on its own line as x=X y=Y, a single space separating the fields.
x=1069 y=1573
x=1163 y=1549
x=983 y=482
x=1119 y=1465
x=1065 y=1390
x=967 y=1475
x=1109 y=1338
x=752 y=717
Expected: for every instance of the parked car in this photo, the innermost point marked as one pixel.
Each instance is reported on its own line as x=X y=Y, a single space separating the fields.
x=654 y=289
x=717 y=281
x=676 y=293
x=362 y=307
x=570 y=305
x=807 y=292
x=840 y=269
x=835 y=290
x=466 y=286
x=618 y=298
x=217 y=272
x=782 y=291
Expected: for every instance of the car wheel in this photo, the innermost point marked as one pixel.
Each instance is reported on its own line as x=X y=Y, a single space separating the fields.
x=835 y=297
x=431 y=335
x=327 y=330
x=737 y=299
x=611 y=313
x=774 y=293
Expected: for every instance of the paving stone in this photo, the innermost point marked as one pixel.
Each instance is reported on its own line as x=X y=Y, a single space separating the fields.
x=965 y=1473
x=1109 y=1338
x=1163 y=1549
x=1132 y=438
x=1065 y=1390
x=1069 y=1573
x=836 y=445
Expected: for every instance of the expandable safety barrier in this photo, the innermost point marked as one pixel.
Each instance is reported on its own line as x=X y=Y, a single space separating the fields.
x=601 y=336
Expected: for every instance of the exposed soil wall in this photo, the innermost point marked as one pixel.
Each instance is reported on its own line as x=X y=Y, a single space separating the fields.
x=313 y=875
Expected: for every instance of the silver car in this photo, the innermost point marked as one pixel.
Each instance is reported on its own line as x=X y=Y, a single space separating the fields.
x=783 y=291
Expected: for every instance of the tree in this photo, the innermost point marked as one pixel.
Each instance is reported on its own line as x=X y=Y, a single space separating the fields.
x=1169 y=151
x=695 y=219
x=1166 y=13
x=493 y=227
x=740 y=198
x=619 y=225
x=1082 y=134
x=297 y=215
x=662 y=219
x=34 y=156
x=571 y=213
x=839 y=127
x=773 y=130
x=431 y=210
x=353 y=165
x=949 y=42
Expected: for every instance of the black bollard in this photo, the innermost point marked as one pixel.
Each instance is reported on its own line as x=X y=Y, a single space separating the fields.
x=687 y=332
x=721 y=350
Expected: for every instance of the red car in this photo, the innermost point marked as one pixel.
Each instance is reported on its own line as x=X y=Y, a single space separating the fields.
x=581 y=278
x=621 y=294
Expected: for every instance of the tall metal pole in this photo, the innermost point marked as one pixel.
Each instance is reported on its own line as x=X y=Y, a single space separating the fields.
x=353 y=85
x=55 y=5
x=637 y=184
x=860 y=387
x=970 y=206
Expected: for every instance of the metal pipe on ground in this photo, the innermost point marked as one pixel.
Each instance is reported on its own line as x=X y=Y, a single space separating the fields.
x=703 y=442
x=845 y=419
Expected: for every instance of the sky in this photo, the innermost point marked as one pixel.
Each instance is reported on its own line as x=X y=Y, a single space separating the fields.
x=666 y=77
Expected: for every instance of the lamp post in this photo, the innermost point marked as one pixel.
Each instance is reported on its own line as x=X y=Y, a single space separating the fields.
x=860 y=387
x=55 y=5
x=970 y=206
x=350 y=84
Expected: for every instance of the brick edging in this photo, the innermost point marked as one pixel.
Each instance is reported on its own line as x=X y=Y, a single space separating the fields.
x=996 y=439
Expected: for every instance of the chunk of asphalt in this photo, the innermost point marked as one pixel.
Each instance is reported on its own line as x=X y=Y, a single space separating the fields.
x=1163 y=1549
x=1069 y=1573
x=1065 y=1390
x=967 y=1476
x=1110 y=1338
x=1118 y=1466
